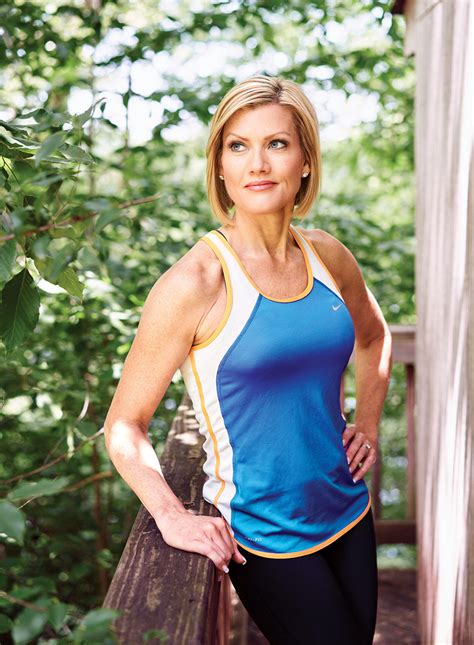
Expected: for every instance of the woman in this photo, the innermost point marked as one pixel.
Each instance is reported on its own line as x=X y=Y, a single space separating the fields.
x=261 y=318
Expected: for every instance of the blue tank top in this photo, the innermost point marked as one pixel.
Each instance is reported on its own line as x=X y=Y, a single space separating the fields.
x=265 y=388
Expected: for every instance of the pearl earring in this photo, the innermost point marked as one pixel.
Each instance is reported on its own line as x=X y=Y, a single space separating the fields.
x=305 y=174
x=221 y=177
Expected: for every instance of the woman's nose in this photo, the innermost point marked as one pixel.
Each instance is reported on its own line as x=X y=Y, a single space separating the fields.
x=259 y=161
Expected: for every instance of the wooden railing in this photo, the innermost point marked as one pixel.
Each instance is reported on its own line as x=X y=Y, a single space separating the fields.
x=175 y=592
x=158 y=587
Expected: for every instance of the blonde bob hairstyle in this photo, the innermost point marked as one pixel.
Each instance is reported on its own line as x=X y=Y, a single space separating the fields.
x=248 y=94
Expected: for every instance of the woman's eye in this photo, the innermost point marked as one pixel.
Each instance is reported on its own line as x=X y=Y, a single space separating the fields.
x=279 y=141
x=239 y=143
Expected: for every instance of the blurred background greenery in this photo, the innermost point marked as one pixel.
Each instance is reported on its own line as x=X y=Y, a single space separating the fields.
x=104 y=114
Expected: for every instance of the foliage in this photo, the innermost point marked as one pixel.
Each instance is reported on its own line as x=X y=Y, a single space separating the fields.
x=90 y=220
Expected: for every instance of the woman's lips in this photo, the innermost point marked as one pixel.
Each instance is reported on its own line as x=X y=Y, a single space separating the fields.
x=262 y=186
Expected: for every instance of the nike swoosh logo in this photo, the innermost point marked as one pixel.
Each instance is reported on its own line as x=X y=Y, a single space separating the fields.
x=337 y=306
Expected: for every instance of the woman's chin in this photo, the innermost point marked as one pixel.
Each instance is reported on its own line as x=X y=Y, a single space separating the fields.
x=262 y=207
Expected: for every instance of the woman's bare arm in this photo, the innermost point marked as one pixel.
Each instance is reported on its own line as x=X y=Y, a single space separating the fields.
x=170 y=317
x=165 y=333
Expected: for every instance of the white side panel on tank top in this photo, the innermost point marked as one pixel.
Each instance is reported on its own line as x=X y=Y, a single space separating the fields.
x=201 y=384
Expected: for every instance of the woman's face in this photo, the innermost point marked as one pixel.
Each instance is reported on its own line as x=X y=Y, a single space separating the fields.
x=258 y=144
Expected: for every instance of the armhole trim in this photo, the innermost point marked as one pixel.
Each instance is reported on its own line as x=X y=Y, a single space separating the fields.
x=319 y=258
x=229 y=298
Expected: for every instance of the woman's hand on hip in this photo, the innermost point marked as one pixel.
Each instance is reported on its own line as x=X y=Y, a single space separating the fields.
x=361 y=450
x=203 y=534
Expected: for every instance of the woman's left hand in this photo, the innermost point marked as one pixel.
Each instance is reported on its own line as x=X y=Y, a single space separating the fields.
x=360 y=457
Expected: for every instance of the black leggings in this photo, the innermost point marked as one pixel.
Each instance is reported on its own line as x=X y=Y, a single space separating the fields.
x=328 y=597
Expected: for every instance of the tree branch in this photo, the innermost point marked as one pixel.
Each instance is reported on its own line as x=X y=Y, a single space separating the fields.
x=79 y=218
x=54 y=461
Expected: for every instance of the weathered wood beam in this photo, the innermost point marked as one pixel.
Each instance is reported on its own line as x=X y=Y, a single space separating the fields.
x=395 y=531
x=158 y=587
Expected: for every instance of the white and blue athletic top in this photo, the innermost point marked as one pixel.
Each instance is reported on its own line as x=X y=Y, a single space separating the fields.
x=265 y=388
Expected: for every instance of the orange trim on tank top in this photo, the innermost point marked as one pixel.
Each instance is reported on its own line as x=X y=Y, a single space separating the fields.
x=229 y=299
x=310 y=278
x=297 y=554
x=318 y=257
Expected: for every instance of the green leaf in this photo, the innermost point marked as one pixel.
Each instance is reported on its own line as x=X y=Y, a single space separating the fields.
x=108 y=216
x=89 y=258
x=32 y=115
x=61 y=256
x=63 y=231
x=69 y=281
x=155 y=633
x=47 y=179
x=57 y=614
x=97 y=204
x=19 y=309
x=41 y=487
x=5 y=624
x=77 y=154
x=9 y=125
x=80 y=119
x=29 y=623
x=99 y=617
x=12 y=521
x=49 y=145
x=96 y=626
x=5 y=134
x=13 y=153
x=7 y=259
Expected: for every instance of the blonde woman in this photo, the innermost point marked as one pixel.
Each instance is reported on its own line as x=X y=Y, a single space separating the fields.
x=261 y=317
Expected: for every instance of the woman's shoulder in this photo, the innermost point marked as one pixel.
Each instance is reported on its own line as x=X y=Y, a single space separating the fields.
x=196 y=275
x=332 y=251
x=321 y=239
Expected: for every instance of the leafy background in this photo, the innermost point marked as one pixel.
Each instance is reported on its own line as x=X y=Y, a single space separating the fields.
x=92 y=214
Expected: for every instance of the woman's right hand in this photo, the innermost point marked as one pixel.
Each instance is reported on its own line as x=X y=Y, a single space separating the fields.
x=203 y=534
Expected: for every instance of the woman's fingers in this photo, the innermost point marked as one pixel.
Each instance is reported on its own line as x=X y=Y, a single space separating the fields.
x=214 y=533
x=367 y=462
x=236 y=555
x=224 y=542
x=359 y=458
x=224 y=532
x=228 y=544
x=209 y=536
x=349 y=437
x=348 y=433
x=219 y=533
x=211 y=549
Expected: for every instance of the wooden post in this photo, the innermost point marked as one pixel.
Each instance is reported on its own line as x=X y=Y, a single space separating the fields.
x=440 y=36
